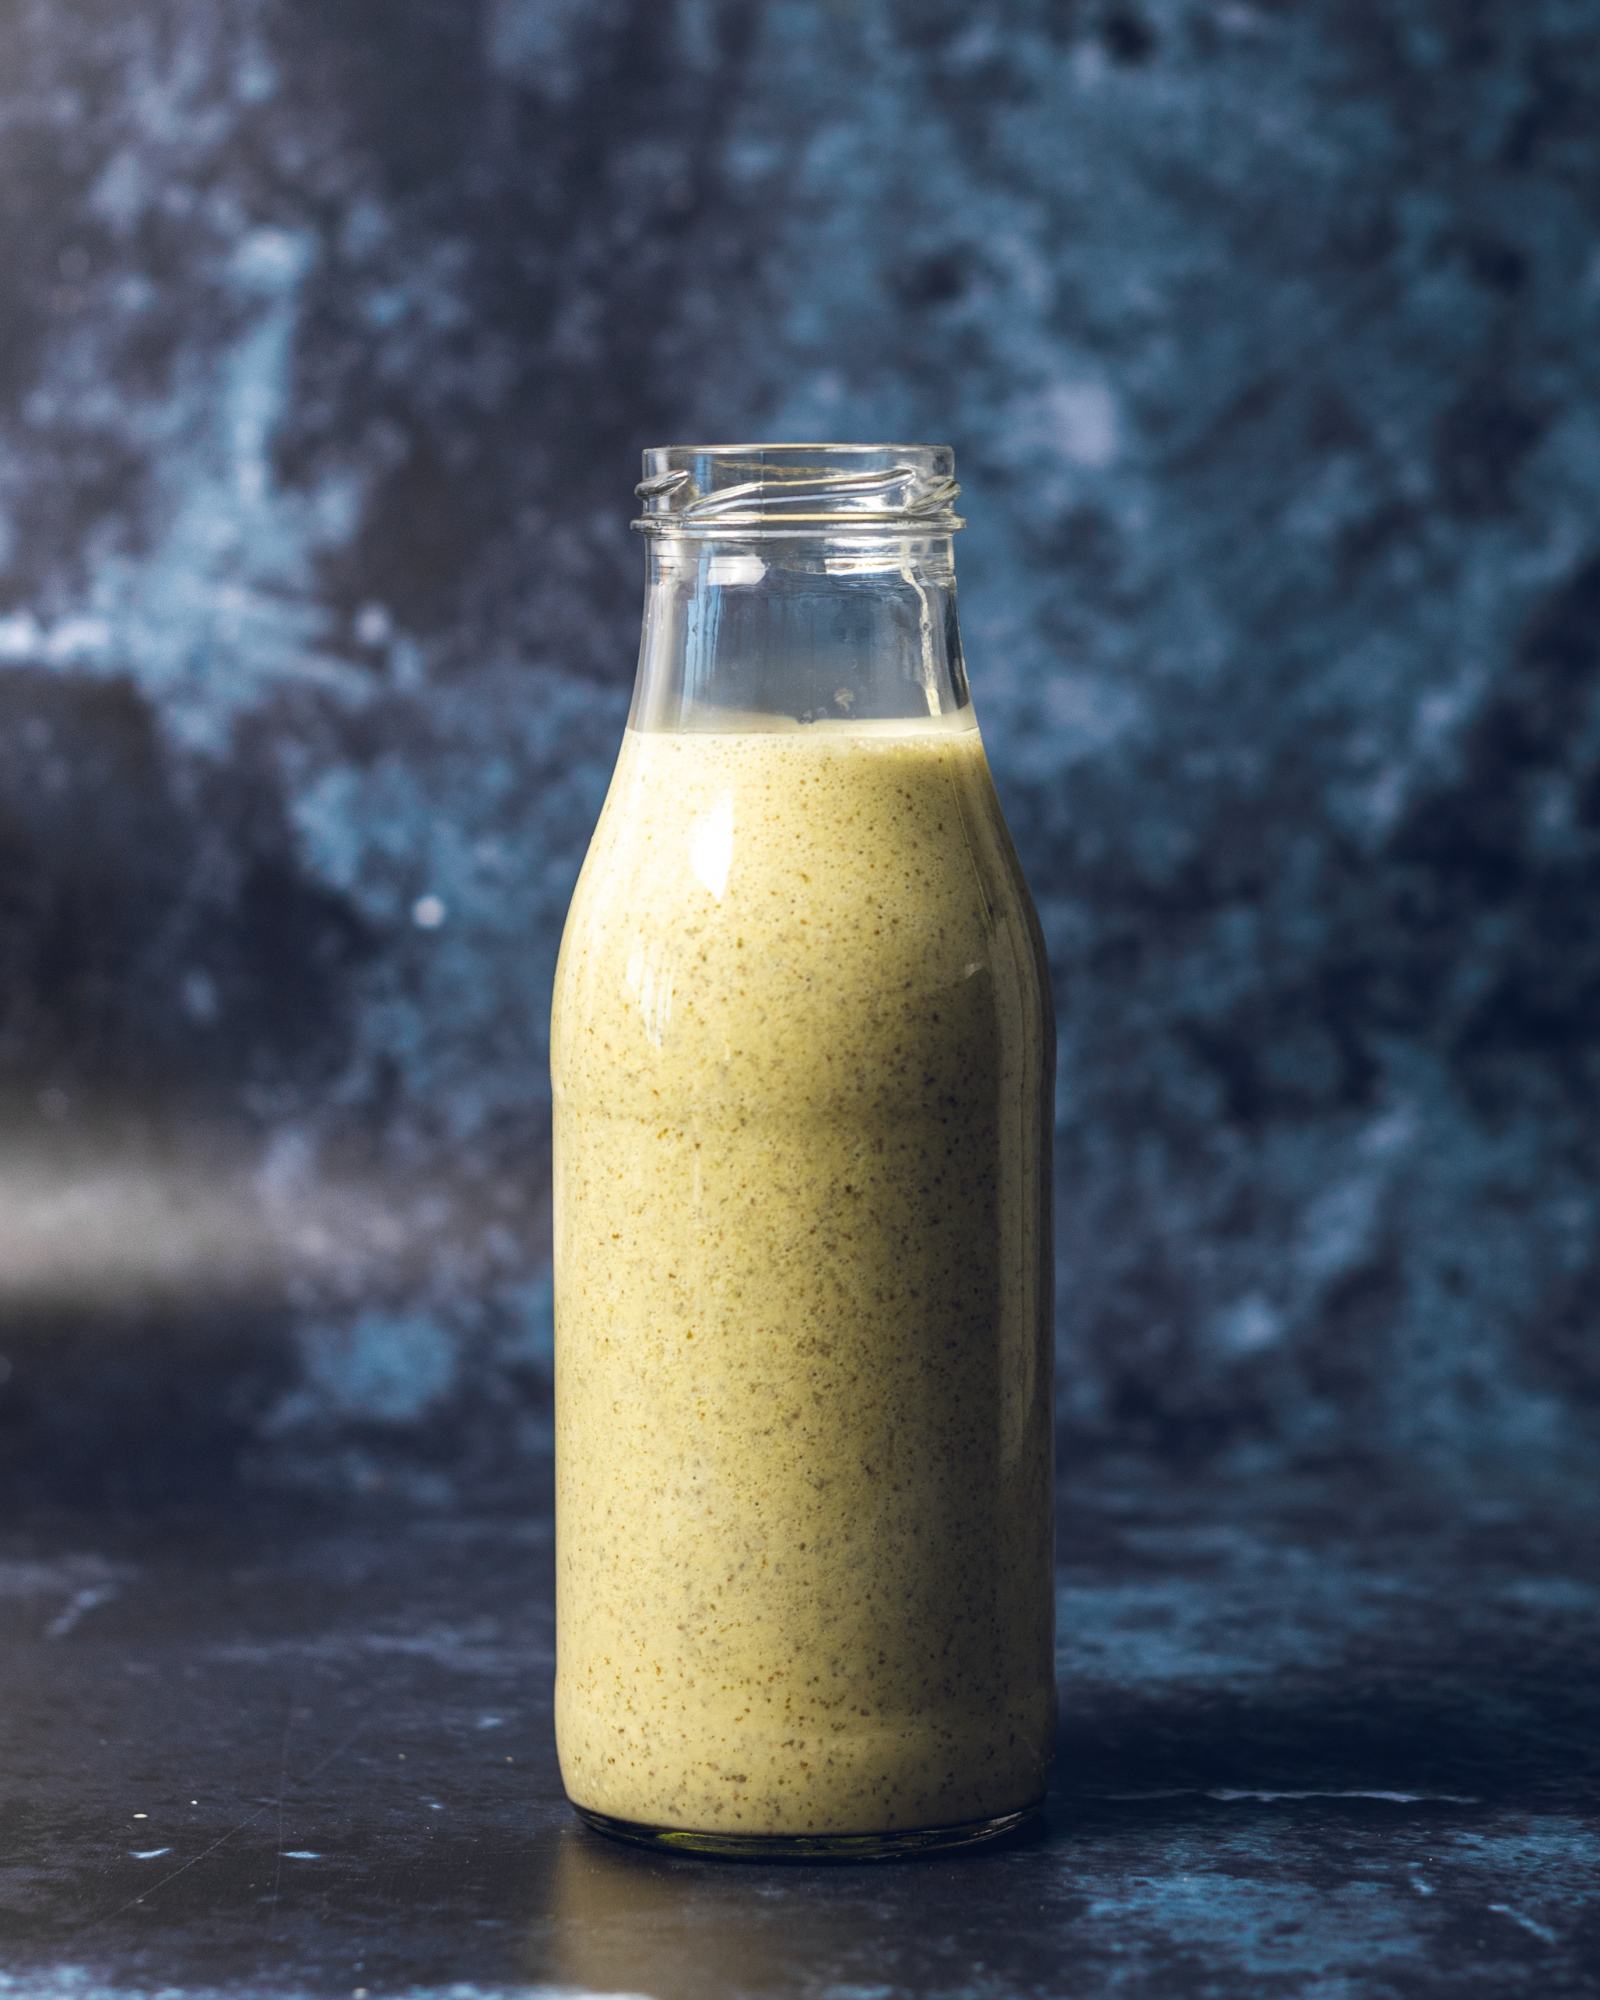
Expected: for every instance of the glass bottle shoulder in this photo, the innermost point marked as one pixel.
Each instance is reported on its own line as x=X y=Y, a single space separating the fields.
x=766 y=899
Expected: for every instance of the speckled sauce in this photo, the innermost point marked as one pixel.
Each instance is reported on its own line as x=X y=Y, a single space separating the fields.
x=801 y=1058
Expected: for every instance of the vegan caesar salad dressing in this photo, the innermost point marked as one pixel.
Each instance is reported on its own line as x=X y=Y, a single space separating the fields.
x=802 y=1368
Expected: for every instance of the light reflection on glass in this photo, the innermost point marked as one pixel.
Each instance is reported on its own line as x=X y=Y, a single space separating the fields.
x=711 y=846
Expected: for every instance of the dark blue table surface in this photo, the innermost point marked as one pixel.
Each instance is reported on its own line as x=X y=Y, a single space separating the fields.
x=1321 y=1737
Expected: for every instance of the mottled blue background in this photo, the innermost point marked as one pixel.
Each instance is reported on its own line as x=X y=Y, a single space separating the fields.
x=329 y=335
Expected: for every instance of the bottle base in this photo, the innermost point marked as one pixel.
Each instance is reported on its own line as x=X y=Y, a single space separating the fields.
x=807 y=1846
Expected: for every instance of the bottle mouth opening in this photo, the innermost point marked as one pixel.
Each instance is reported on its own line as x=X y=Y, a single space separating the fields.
x=797 y=489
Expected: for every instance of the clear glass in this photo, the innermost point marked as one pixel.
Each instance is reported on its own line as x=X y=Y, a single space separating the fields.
x=800 y=582
x=801 y=1055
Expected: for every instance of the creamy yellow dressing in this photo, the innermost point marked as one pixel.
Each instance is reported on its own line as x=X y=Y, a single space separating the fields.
x=800 y=1051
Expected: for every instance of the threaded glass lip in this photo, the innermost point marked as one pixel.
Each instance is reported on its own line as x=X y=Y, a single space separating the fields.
x=776 y=489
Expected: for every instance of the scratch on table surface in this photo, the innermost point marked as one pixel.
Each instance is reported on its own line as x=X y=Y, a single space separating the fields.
x=1231 y=1794
x=222 y=1839
x=283 y=1786
x=77 y=1982
x=77 y=1607
x=1531 y=1925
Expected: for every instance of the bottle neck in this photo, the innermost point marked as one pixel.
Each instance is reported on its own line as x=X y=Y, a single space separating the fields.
x=757 y=631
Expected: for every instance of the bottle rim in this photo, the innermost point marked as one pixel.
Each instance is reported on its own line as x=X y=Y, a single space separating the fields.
x=798 y=489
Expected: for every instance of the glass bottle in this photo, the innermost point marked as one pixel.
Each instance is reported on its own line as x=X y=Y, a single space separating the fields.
x=802 y=1051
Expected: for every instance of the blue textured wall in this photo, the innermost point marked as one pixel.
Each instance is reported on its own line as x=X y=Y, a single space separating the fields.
x=329 y=335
